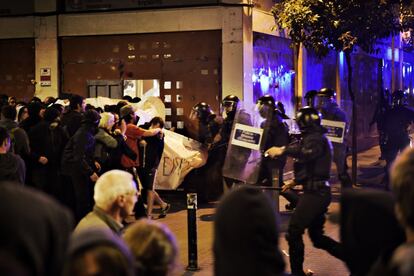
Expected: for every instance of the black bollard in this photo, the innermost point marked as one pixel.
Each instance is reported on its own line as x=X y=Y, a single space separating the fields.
x=192 y=231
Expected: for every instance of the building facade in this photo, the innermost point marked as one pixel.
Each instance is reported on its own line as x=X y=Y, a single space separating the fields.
x=183 y=51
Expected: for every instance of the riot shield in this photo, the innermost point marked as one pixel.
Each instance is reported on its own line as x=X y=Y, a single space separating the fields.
x=245 y=148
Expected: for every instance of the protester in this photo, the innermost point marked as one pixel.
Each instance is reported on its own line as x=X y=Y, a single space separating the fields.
x=133 y=134
x=151 y=151
x=115 y=195
x=78 y=164
x=73 y=118
x=22 y=113
x=12 y=166
x=48 y=140
x=19 y=138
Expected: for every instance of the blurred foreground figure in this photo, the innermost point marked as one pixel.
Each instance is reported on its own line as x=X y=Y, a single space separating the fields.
x=98 y=251
x=369 y=230
x=153 y=246
x=246 y=238
x=35 y=231
x=396 y=138
x=402 y=177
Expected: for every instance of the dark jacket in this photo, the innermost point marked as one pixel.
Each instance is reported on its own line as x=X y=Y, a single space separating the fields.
x=276 y=135
x=153 y=150
x=207 y=130
x=78 y=155
x=34 y=117
x=72 y=121
x=20 y=140
x=12 y=168
x=313 y=156
x=47 y=139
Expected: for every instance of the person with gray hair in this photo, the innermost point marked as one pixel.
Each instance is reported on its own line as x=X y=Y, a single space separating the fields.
x=115 y=195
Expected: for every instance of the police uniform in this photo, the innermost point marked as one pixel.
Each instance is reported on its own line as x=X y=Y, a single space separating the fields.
x=208 y=178
x=312 y=170
x=239 y=156
x=331 y=111
x=277 y=134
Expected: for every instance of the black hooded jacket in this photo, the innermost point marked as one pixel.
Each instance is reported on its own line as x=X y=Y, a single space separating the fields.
x=12 y=168
x=78 y=155
x=72 y=121
x=313 y=156
x=47 y=139
x=34 y=117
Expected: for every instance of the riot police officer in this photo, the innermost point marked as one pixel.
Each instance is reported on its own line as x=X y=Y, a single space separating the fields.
x=329 y=109
x=277 y=135
x=207 y=125
x=208 y=179
x=239 y=155
x=310 y=98
x=311 y=169
x=383 y=105
x=229 y=105
x=396 y=122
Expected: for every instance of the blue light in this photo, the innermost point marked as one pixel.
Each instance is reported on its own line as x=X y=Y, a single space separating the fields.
x=254 y=78
x=264 y=84
x=341 y=58
x=389 y=54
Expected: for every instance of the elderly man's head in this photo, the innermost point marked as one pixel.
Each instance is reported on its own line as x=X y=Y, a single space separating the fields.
x=116 y=189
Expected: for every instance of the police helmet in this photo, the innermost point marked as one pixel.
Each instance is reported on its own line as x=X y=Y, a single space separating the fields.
x=266 y=106
x=399 y=98
x=307 y=118
x=310 y=97
x=267 y=100
x=231 y=102
x=280 y=108
x=327 y=92
x=201 y=111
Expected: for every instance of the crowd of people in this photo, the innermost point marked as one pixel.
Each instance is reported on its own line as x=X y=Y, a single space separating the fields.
x=84 y=171
x=63 y=150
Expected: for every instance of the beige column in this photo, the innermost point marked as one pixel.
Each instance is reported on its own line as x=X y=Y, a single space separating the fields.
x=237 y=53
x=301 y=72
x=338 y=71
x=46 y=52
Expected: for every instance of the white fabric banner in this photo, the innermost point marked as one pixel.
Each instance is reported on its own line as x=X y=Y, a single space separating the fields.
x=181 y=155
x=147 y=108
